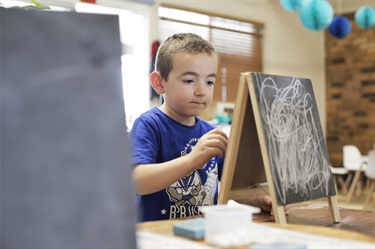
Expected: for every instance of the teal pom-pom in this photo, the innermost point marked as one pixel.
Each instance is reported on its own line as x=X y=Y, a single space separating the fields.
x=317 y=15
x=294 y=5
x=365 y=17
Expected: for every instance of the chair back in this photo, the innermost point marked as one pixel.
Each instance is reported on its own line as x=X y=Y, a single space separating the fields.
x=370 y=170
x=352 y=157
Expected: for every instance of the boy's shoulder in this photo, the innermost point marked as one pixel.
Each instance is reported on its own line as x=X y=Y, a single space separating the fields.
x=153 y=113
x=151 y=118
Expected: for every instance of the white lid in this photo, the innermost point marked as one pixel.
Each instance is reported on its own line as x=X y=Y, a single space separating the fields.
x=230 y=206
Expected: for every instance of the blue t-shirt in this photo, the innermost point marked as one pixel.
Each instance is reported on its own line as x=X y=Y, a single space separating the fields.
x=157 y=138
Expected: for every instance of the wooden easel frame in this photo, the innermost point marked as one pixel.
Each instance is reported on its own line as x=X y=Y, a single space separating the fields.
x=246 y=106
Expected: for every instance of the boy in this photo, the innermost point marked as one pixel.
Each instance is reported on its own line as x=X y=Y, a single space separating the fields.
x=178 y=157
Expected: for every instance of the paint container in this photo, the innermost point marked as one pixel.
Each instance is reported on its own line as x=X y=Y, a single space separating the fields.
x=228 y=226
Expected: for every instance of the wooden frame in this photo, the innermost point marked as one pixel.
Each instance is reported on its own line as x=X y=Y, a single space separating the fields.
x=240 y=180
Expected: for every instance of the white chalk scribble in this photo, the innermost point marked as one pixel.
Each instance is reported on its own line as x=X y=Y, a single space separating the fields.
x=293 y=139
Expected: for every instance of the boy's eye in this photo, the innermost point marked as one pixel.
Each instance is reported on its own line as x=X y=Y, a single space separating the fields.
x=210 y=81
x=188 y=81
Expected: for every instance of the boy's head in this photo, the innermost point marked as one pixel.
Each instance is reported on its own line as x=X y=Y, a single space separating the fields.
x=180 y=43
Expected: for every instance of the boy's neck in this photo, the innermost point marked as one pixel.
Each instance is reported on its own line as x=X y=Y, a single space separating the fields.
x=189 y=121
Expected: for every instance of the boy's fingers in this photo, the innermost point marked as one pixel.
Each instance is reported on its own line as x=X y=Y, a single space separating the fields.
x=220 y=132
x=221 y=143
x=268 y=200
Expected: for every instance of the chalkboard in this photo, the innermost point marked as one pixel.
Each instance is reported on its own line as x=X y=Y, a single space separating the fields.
x=295 y=142
x=65 y=169
x=276 y=137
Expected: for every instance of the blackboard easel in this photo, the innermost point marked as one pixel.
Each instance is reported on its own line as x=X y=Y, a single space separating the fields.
x=250 y=159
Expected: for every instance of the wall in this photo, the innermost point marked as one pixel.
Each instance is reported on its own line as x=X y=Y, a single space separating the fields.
x=350 y=90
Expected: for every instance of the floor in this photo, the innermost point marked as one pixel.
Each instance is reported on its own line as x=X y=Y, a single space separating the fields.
x=356 y=202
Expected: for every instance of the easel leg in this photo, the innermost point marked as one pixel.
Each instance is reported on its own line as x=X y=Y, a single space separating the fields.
x=334 y=209
x=279 y=213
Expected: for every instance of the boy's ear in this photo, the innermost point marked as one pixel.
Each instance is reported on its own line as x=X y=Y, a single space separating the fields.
x=156 y=82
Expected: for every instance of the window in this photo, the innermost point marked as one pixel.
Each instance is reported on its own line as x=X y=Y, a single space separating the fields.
x=135 y=62
x=238 y=42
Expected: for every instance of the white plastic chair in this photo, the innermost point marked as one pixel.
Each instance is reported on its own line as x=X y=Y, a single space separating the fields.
x=338 y=174
x=355 y=163
x=370 y=177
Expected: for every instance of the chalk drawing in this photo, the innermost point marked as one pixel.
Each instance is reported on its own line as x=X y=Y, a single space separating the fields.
x=296 y=146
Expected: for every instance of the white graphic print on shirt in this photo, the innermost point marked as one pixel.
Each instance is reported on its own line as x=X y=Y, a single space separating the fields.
x=189 y=193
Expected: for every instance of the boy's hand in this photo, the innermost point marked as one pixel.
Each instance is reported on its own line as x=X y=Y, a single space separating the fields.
x=265 y=203
x=213 y=143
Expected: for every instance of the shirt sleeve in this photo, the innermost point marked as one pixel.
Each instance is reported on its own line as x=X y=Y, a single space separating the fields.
x=145 y=142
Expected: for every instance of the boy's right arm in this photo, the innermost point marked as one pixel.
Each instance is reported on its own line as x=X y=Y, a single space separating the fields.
x=150 y=178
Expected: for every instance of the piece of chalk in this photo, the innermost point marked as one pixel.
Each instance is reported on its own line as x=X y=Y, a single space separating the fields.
x=192 y=228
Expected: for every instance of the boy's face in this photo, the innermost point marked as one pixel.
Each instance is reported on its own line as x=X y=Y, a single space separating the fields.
x=190 y=86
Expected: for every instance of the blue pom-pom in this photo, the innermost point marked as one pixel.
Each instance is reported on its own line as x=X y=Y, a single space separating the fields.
x=317 y=15
x=340 y=27
x=294 y=5
x=365 y=17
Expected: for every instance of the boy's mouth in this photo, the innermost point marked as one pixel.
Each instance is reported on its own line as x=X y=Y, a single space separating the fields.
x=198 y=103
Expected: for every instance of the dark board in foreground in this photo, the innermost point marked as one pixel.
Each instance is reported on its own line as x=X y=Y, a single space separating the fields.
x=293 y=134
x=65 y=174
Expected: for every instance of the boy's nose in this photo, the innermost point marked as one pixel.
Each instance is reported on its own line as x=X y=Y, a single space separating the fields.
x=200 y=89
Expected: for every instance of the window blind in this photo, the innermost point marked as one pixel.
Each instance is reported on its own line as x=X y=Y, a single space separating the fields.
x=238 y=42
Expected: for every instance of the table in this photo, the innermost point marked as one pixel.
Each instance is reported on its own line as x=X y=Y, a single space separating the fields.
x=355 y=220
x=355 y=224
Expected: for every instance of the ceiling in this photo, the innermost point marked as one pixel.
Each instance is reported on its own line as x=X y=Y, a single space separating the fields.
x=339 y=6
x=347 y=6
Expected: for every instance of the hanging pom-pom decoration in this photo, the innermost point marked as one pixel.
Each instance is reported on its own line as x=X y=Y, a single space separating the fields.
x=293 y=5
x=317 y=15
x=365 y=17
x=340 y=27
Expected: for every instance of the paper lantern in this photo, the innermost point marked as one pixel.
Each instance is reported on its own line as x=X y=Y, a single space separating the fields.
x=340 y=27
x=293 y=5
x=317 y=15
x=365 y=17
